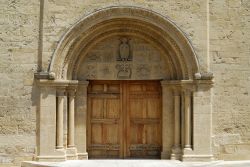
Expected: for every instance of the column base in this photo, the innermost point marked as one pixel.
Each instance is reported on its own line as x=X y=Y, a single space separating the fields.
x=55 y=156
x=71 y=153
x=82 y=156
x=187 y=150
x=176 y=153
x=50 y=158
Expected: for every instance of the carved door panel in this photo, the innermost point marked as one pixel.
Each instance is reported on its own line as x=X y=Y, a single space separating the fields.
x=124 y=119
x=105 y=136
x=144 y=120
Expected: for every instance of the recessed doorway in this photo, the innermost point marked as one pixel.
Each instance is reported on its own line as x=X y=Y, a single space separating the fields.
x=124 y=119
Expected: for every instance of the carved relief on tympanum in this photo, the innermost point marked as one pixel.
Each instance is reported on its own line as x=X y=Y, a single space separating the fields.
x=93 y=57
x=143 y=71
x=91 y=71
x=124 y=70
x=125 y=50
x=123 y=58
x=105 y=70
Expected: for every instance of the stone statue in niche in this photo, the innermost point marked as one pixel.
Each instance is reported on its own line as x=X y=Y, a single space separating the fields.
x=125 y=51
x=124 y=71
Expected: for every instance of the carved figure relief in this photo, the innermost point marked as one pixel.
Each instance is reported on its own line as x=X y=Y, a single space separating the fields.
x=124 y=55
x=125 y=52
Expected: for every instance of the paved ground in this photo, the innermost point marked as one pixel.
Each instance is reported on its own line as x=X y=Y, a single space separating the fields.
x=138 y=163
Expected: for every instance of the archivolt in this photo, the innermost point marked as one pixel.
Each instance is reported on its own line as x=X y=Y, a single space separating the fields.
x=142 y=23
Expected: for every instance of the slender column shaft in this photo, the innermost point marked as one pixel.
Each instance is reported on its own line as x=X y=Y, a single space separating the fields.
x=187 y=120
x=177 y=120
x=59 y=121
x=71 y=118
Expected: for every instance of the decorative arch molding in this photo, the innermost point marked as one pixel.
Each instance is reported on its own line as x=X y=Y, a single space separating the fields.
x=131 y=20
x=186 y=94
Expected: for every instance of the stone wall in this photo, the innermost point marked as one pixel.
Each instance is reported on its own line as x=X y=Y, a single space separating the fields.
x=189 y=15
x=229 y=58
x=18 y=51
x=230 y=62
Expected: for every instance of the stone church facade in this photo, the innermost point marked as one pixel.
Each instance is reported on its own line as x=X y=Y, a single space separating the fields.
x=124 y=79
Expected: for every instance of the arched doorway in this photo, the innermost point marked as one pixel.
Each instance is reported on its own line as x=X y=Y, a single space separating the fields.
x=125 y=44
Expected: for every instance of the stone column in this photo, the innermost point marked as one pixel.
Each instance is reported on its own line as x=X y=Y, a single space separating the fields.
x=167 y=119
x=176 y=150
x=71 y=118
x=59 y=120
x=187 y=108
x=71 y=151
x=81 y=120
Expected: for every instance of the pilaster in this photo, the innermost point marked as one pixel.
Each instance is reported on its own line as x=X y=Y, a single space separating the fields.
x=81 y=120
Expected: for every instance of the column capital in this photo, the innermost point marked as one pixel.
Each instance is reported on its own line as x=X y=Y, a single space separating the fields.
x=71 y=91
x=187 y=92
x=188 y=87
x=176 y=91
x=60 y=91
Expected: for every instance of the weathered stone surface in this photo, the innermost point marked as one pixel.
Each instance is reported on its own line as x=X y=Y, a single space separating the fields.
x=219 y=33
x=229 y=50
x=103 y=62
x=18 y=52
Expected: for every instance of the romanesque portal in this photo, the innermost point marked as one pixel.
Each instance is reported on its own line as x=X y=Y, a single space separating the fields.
x=124 y=82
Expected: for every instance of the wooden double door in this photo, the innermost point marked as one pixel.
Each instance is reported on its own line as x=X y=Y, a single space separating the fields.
x=124 y=119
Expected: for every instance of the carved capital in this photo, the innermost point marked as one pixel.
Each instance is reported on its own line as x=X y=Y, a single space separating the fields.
x=60 y=91
x=71 y=91
x=176 y=90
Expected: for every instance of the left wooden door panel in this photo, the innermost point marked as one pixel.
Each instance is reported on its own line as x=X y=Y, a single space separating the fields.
x=104 y=120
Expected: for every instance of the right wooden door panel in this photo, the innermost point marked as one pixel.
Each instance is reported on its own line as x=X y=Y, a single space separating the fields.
x=124 y=119
x=144 y=120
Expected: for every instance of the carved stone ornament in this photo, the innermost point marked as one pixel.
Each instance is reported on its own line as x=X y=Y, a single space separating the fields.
x=204 y=76
x=91 y=72
x=52 y=75
x=143 y=71
x=124 y=71
x=124 y=50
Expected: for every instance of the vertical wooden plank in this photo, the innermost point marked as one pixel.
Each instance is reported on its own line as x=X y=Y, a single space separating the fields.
x=121 y=123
